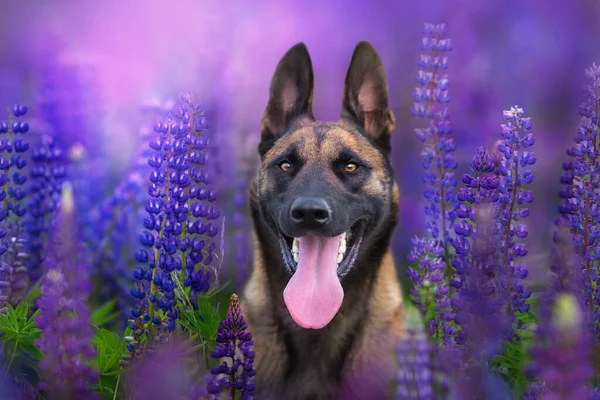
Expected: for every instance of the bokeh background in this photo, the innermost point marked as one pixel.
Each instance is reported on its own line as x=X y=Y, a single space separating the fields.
x=89 y=69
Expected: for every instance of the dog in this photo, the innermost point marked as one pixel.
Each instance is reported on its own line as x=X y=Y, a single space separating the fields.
x=323 y=301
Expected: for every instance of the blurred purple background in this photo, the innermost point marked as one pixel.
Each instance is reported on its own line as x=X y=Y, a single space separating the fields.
x=528 y=52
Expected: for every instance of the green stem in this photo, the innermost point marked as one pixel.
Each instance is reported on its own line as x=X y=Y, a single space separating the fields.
x=509 y=224
x=116 y=387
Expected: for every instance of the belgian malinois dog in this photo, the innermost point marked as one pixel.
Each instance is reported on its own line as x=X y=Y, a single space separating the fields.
x=324 y=302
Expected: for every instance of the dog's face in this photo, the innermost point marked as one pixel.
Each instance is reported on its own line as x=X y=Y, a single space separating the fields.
x=324 y=188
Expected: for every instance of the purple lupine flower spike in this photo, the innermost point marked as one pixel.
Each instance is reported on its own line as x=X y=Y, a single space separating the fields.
x=234 y=348
x=13 y=154
x=515 y=176
x=431 y=255
x=181 y=228
x=415 y=376
x=47 y=175
x=64 y=316
x=580 y=196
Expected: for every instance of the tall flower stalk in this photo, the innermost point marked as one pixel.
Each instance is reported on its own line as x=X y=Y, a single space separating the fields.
x=431 y=98
x=178 y=244
x=64 y=316
x=13 y=149
x=234 y=349
x=580 y=196
x=515 y=177
x=432 y=255
x=47 y=174
x=478 y=297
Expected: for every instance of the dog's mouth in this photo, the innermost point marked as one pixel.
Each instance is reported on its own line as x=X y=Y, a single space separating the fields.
x=314 y=293
x=347 y=250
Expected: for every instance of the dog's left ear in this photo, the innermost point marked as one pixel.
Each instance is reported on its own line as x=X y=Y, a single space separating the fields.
x=290 y=94
x=365 y=99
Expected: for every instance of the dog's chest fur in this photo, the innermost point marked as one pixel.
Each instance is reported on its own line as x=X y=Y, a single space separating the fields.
x=351 y=358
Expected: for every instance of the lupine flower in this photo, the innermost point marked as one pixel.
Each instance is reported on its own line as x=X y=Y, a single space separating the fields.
x=580 y=196
x=431 y=292
x=64 y=316
x=47 y=175
x=564 y=360
x=475 y=245
x=80 y=168
x=432 y=256
x=12 y=196
x=180 y=225
x=515 y=176
x=415 y=376
x=431 y=98
x=115 y=221
x=536 y=391
x=478 y=299
x=234 y=343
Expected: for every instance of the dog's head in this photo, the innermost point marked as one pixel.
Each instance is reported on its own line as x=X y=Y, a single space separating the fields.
x=324 y=188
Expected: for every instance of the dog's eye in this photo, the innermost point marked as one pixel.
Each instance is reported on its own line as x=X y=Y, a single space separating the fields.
x=285 y=166
x=350 y=167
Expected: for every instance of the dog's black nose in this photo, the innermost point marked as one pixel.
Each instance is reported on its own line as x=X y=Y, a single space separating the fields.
x=310 y=212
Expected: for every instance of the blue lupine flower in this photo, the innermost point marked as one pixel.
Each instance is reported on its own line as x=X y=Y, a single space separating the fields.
x=415 y=373
x=431 y=98
x=13 y=151
x=480 y=192
x=431 y=292
x=115 y=220
x=180 y=227
x=515 y=176
x=234 y=344
x=478 y=297
x=439 y=163
x=580 y=197
x=47 y=175
x=64 y=316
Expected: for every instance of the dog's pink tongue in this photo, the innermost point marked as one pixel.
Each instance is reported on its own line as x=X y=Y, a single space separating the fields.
x=314 y=294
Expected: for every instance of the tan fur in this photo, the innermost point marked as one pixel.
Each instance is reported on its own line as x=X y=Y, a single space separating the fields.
x=321 y=153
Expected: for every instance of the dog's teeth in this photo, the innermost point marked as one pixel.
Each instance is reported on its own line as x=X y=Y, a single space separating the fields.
x=342 y=248
x=295 y=257
x=342 y=244
x=295 y=245
x=340 y=257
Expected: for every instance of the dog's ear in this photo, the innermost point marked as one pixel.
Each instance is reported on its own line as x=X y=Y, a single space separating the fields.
x=290 y=94
x=365 y=99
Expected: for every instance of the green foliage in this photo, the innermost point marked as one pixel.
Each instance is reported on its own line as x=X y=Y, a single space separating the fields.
x=18 y=332
x=515 y=355
x=203 y=321
x=104 y=315
x=109 y=350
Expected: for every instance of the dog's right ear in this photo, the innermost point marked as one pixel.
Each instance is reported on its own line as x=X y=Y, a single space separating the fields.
x=290 y=95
